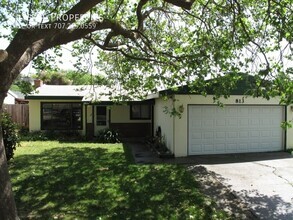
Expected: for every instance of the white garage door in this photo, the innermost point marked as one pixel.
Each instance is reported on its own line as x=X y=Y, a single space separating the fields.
x=234 y=129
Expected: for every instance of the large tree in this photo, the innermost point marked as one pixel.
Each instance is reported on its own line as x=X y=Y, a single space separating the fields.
x=144 y=45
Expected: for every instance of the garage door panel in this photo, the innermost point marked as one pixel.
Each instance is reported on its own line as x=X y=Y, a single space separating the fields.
x=208 y=135
x=220 y=135
x=244 y=134
x=254 y=134
x=232 y=134
x=220 y=147
x=243 y=147
x=234 y=129
x=266 y=134
x=220 y=122
x=254 y=122
x=276 y=134
x=196 y=124
x=244 y=122
x=233 y=122
x=196 y=135
x=266 y=122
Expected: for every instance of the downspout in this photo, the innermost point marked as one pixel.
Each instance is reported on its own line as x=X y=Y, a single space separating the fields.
x=152 y=125
x=173 y=103
x=287 y=108
x=93 y=120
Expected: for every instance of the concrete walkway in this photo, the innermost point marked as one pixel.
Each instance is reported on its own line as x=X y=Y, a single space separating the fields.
x=142 y=154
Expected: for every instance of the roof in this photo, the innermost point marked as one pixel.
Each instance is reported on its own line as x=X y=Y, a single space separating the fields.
x=84 y=93
x=68 y=92
x=16 y=94
x=242 y=86
x=94 y=93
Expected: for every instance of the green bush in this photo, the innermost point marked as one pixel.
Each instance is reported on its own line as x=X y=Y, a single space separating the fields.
x=50 y=135
x=108 y=136
x=10 y=135
x=33 y=136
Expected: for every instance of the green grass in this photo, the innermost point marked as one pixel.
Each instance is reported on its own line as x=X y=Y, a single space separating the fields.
x=55 y=180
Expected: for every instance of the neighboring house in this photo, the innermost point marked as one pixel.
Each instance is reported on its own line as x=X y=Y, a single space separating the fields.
x=245 y=124
x=15 y=97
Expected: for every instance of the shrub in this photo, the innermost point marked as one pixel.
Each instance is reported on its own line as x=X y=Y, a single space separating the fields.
x=50 y=135
x=10 y=135
x=33 y=136
x=108 y=136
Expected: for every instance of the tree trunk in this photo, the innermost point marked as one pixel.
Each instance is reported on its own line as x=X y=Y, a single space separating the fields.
x=7 y=203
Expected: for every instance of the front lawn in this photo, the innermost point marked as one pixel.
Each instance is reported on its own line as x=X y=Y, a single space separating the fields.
x=55 y=180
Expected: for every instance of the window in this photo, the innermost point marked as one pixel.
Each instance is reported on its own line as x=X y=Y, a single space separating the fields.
x=61 y=116
x=142 y=112
x=101 y=115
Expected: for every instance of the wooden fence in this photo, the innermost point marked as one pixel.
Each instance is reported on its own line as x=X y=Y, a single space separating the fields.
x=19 y=113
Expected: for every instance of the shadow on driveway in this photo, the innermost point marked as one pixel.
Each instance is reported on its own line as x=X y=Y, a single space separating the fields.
x=268 y=207
x=264 y=181
x=248 y=185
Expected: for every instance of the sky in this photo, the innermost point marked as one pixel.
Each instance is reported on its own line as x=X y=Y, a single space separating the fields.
x=67 y=59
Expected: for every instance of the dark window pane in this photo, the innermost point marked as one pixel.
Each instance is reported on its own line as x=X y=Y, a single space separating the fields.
x=61 y=116
x=101 y=115
x=140 y=112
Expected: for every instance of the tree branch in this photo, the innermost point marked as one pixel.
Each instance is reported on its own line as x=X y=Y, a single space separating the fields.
x=79 y=9
x=117 y=29
x=103 y=47
x=186 y=4
x=249 y=37
x=118 y=8
x=140 y=16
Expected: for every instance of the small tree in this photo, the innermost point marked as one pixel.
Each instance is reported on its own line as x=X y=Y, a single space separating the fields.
x=10 y=136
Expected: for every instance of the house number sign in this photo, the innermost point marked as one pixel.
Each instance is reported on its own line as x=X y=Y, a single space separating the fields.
x=239 y=100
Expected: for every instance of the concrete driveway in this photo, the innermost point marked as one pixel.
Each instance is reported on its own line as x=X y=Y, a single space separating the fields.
x=263 y=180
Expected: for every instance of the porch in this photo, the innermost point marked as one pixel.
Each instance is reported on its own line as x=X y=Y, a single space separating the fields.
x=130 y=120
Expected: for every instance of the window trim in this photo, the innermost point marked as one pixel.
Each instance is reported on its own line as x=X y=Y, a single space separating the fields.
x=62 y=129
x=140 y=118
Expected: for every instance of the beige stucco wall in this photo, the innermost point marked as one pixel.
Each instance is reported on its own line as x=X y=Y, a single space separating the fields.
x=180 y=125
x=35 y=114
x=165 y=121
x=121 y=114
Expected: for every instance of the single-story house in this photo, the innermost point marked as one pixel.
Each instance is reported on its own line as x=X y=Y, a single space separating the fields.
x=67 y=107
x=245 y=124
x=14 y=97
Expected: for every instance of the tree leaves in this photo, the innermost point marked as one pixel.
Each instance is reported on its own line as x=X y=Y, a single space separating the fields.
x=150 y=45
